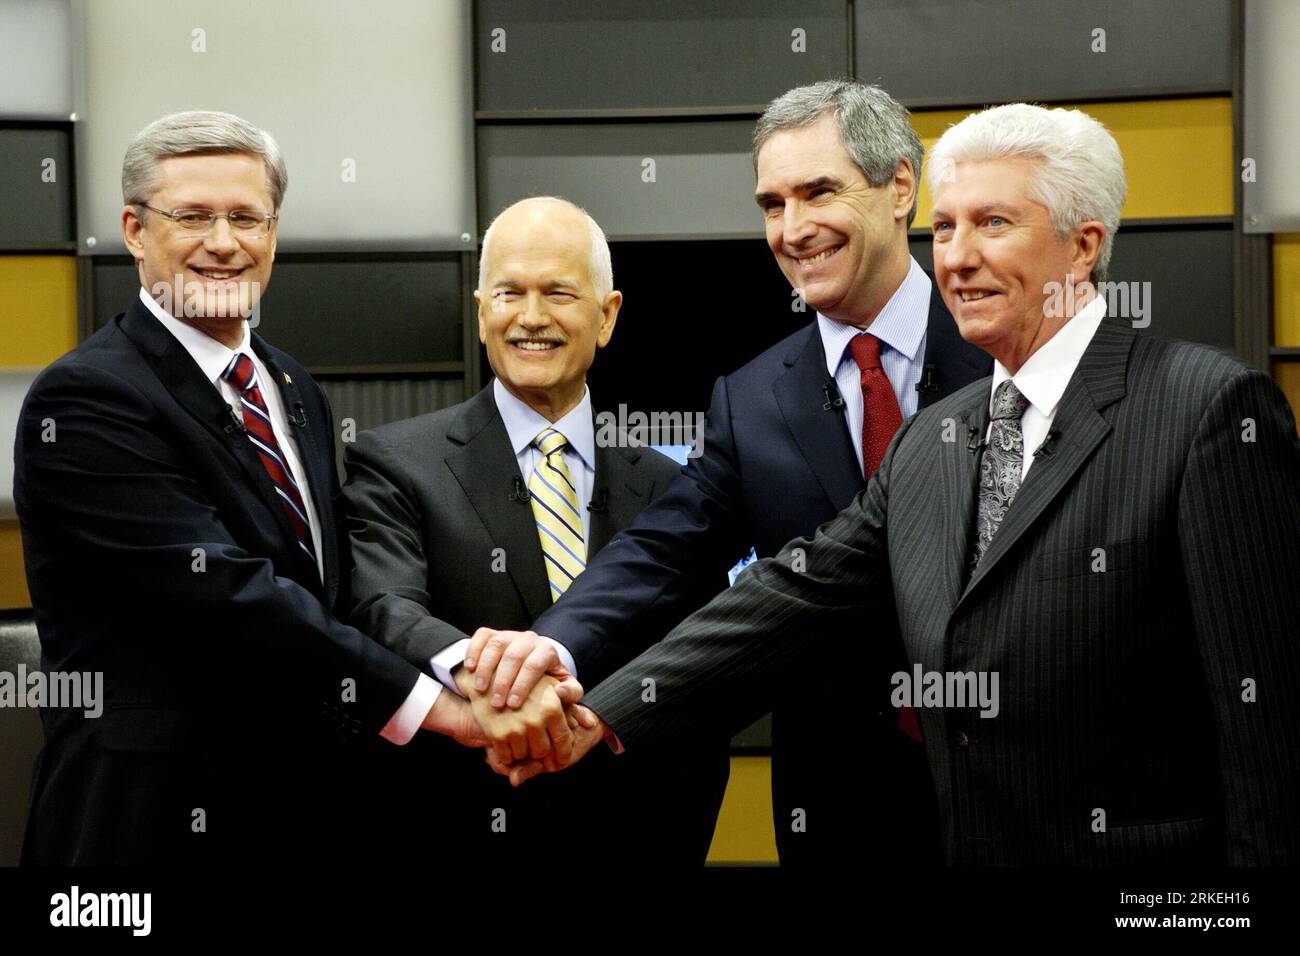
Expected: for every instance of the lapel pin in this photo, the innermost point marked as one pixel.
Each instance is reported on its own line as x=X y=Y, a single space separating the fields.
x=287 y=379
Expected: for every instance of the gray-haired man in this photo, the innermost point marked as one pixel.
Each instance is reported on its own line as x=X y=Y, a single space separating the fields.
x=176 y=488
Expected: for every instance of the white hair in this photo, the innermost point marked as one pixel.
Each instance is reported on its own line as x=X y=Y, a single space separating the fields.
x=198 y=131
x=599 y=264
x=1080 y=176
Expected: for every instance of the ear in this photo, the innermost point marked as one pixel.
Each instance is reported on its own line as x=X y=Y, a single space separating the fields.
x=1085 y=247
x=482 y=319
x=905 y=186
x=608 y=318
x=132 y=229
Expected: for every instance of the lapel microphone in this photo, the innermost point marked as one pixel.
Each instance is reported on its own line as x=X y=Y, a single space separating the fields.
x=521 y=492
x=599 y=501
x=927 y=382
x=829 y=390
x=973 y=442
x=1045 y=449
x=298 y=417
x=234 y=424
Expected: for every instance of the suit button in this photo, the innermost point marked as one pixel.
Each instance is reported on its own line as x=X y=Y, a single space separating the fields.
x=961 y=740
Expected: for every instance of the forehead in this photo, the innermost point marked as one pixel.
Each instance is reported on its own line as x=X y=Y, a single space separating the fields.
x=793 y=156
x=539 y=249
x=214 y=177
x=971 y=185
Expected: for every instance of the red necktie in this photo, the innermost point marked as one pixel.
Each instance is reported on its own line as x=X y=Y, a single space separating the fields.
x=881 y=418
x=257 y=420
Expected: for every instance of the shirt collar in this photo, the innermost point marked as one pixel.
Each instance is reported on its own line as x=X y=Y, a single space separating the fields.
x=1046 y=373
x=896 y=325
x=210 y=355
x=523 y=423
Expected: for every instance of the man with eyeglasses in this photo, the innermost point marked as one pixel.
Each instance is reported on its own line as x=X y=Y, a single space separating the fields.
x=178 y=498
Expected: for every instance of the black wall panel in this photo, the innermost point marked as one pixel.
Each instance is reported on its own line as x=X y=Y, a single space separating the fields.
x=960 y=52
x=1190 y=274
x=340 y=310
x=671 y=54
x=35 y=212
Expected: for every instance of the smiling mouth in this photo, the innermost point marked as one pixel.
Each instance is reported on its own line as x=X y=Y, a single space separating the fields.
x=974 y=295
x=536 y=345
x=217 y=275
x=819 y=258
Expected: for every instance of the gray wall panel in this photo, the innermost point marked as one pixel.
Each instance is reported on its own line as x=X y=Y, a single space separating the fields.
x=35 y=59
x=934 y=52
x=327 y=311
x=1190 y=276
x=34 y=211
x=373 y=402
x=371 y=104
x=703 y=177
x=623 y=54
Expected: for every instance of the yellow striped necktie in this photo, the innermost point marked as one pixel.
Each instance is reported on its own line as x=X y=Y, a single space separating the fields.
x=555 y=507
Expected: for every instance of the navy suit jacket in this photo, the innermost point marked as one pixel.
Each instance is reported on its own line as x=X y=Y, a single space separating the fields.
x=158 y=554
x=776 y=463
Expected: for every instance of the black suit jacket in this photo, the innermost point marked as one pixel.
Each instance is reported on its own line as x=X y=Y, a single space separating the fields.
x=776 y=463
x=1138 y=603
x=158 y=554
x=443 y=544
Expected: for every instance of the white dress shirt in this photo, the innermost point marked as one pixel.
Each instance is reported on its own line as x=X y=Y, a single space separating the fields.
x=1043 y=377
x=901 y=326
x=523 y=424
x=212 y=359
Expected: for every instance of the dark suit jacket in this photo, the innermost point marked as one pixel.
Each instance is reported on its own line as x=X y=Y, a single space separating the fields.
x=158 y=554
x=1155 y=698
x=443 y=545
x=775 y=465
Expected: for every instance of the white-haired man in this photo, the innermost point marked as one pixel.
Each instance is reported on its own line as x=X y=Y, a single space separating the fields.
x=488 y=511
x=175 y=483
x=1095 y=554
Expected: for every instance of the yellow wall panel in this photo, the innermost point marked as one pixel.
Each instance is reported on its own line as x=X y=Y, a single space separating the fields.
x=13 y=579
x=1287 y=376
x=1177 y=153
x=39 y=320
x=1286 y=290
x=744 y=833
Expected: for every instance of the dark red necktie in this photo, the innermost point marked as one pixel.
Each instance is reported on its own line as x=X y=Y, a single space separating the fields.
x=257 y=420
x=881 y=418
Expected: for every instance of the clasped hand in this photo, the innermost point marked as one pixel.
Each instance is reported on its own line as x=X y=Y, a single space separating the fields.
x=526 y=703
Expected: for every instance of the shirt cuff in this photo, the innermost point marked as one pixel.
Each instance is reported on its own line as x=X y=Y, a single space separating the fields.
x=614 y=744
x=565 y=657
x=403 y=725
x=446 y=661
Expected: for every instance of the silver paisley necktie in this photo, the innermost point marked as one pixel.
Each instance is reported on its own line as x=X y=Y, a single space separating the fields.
x=1000 y=468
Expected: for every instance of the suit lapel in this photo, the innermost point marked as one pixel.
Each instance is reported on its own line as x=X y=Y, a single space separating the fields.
x=1077 y=430
x=959 y=467
x=315 y=449
x=951 y=363
x=488 y=474
x=618 y=496
x=185 y=382
x=818 y=431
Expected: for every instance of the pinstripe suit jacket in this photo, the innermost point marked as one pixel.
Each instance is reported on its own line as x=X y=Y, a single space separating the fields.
x=1148 y=711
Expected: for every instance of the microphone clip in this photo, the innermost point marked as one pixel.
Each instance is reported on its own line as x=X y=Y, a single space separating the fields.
x=234 y=424
x=521 y=491
x=298 y=417
x=927 y=382
x=832 y=395
x=599 y=501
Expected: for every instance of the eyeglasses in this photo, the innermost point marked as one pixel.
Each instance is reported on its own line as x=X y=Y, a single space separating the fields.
x=248 y=222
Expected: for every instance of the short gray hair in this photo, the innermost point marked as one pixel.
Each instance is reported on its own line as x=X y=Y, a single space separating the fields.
x=600 y=266
x=1080 y=176
x=197 y=131
x=873 y=127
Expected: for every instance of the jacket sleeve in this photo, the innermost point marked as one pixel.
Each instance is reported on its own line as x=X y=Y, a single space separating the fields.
x=390 y=567
x=97 y=478
x=666 y=564
x=1239 y=532
x=728 y=663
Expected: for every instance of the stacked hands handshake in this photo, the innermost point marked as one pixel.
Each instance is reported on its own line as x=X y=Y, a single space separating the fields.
x=521 y=705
